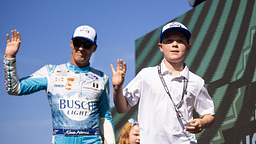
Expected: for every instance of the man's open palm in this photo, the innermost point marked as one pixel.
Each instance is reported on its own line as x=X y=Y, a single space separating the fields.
x=13 y=45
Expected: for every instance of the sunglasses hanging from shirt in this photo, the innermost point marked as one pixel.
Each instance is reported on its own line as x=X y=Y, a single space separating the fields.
x=169 y=94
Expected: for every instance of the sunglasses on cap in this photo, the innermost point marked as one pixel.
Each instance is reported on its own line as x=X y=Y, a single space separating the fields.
x=85 y=45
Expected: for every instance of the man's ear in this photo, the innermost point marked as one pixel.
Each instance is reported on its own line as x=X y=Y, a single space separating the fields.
x=94 y=47
x=160 y=47
x=71 y=44
x=189 y=47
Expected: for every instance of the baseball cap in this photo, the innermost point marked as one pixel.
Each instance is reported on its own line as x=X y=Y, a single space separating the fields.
x=85 y=32
x=175 y=26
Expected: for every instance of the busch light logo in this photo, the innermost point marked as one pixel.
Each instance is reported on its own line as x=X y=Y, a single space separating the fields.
x=75 y=106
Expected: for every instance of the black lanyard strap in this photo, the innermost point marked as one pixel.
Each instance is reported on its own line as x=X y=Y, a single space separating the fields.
x=184 y=91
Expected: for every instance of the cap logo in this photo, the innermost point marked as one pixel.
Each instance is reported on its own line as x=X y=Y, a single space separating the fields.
x=177 y=25
x=85 y=30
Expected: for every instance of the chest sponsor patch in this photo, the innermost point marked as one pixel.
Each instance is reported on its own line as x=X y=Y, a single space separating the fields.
x=76 y=106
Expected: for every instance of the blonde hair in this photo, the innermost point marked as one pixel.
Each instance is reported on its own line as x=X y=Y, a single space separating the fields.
x=125 y=133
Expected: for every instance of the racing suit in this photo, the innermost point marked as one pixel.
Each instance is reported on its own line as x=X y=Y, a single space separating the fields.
x=78 y=98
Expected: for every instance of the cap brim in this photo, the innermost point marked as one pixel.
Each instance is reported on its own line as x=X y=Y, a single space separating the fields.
x=83 y=38
x=186 y=32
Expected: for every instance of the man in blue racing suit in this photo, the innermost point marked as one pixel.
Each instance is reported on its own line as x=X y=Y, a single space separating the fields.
x=77 y=93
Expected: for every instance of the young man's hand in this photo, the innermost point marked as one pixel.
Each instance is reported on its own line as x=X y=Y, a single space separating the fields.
x=120 y=101
x=197 y=125
x=13 y=45
x=118 y=75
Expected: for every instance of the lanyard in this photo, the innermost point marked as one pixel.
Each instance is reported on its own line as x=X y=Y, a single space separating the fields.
x=184 y=91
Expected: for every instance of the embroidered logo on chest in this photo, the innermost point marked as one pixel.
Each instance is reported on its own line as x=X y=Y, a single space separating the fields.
x=76 y=106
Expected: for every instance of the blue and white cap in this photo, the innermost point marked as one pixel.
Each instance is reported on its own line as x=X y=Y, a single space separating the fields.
x=85 y=32
x=175 y=26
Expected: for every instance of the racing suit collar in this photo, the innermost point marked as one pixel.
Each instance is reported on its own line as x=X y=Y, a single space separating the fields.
x=77 y=69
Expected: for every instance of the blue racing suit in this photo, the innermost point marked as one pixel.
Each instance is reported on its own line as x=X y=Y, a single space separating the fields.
x=78 y=98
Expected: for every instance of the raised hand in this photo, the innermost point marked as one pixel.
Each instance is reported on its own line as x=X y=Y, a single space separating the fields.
x=13 y=45
x=118 y=76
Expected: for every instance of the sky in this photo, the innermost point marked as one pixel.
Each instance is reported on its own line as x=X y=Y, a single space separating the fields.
x=46 y=28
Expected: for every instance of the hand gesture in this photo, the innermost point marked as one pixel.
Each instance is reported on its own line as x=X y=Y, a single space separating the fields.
x=118 y=75
x=13 y=45
x=196 y=126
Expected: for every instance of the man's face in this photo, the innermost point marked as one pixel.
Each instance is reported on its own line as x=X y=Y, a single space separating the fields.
x=174 y=46
x=81 y=51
